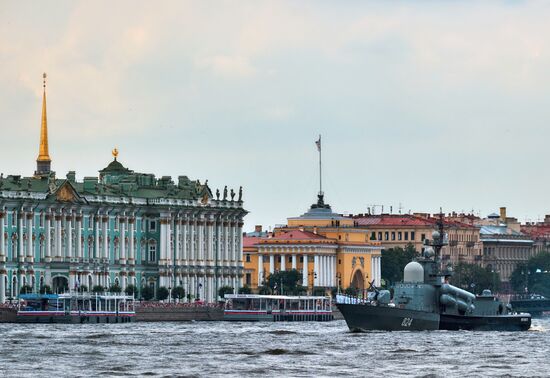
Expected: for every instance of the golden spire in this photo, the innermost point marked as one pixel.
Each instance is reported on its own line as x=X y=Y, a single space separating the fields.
x=43 y=154
x=115 y=153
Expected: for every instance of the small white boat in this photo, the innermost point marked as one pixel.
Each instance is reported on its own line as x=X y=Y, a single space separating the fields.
x=275 y=308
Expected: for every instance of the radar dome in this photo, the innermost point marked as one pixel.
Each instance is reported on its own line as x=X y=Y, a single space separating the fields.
x=414 y=272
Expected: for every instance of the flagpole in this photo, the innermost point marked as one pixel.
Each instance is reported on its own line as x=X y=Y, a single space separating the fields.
x=320 y=171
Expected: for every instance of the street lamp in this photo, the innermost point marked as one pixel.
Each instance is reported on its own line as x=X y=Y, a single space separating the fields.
x=339 y=281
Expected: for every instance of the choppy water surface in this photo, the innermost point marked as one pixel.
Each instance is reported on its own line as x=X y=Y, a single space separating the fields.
x=272 y=349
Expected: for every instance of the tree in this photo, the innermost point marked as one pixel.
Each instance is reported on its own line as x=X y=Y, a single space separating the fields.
x=319 y=291
x=287 y=280
x=178 y=293
x=46 y=289
x=147 y=293
x=264 y=290
x=225 y=290
x=533 y=275
x=115 y=288
x=245 y=290
x=25 y=289
x=130 y=290
x=351 y=291
x=98 y=289
x=162 y=293
x=475 y=278
x=82 y=288
x=393 y=262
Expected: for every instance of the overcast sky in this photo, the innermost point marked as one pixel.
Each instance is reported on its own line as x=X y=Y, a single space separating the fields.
x=423 y=104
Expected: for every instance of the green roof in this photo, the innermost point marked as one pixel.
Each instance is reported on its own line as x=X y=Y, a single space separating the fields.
x=114 y=180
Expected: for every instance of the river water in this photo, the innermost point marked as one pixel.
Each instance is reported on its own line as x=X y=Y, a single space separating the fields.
x=267 y=349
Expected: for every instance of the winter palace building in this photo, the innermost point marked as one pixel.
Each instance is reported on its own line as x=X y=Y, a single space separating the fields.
x=119 y=228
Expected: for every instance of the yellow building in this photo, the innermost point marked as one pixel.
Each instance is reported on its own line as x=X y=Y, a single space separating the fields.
x=324 y=246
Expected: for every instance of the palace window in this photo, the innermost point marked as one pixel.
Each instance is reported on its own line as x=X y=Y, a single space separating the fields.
x=152 y=226
x=289 y=259
x=41 y=220
x=406 y=235
x=399 y=235
x=379 y=236
x=386 y=235
x=422 y=237
x=301 y=259
x=393 y=235
x=412 y=235
x=373 y=236
x=248 y=279
x=247 y=257
x=152 y=252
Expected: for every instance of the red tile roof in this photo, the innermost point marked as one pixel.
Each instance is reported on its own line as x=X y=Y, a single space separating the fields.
x=250 y=241
x=537 y=231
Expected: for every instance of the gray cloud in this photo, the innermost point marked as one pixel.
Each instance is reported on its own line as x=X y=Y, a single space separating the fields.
x=429 y=103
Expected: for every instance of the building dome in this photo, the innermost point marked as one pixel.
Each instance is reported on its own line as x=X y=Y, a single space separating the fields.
x=414 y=272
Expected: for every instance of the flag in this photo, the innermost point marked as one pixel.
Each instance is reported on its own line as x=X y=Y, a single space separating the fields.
x=318 y=144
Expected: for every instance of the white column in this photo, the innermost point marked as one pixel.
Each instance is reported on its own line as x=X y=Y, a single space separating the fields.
x=122 y=257
x=30 y=242
x=200 y=249
x=192 y=231
x=96 y=241
x=48 y=238
x=316 y=270
x=225 y=257
x=333 y=271
x=169 y=249
x=184 y=242
x=210 y=240
x=271 y=263
x=105 y=241
x=132 y=252
x=162 y=252
x=260 y=269
x=239 y=242
x=294 y=261
x=79 y=239
x=177 y=257
x=305 y=280
x=379 y=270
x=58 y=244
x=232 y=243
x=283 y=262
x=69 y=244
x=20 y=236
x=219 y=256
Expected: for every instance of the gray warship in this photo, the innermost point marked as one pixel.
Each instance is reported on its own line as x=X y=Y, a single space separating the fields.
x=426 y=301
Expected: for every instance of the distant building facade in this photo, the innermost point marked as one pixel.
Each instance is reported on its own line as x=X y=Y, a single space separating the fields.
x=119 y=229
x=400 y=230
x=323 y=245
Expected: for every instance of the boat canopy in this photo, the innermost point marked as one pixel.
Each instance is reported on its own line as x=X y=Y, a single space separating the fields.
x=258 y=296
